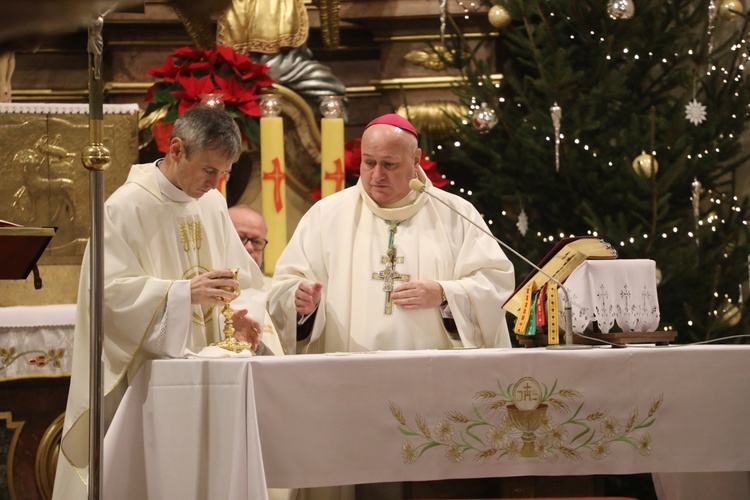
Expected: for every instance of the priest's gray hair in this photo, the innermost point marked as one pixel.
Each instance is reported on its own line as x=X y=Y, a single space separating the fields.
x=208 y=128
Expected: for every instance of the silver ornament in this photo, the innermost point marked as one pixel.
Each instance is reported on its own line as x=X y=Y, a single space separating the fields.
x=620 y=9
x=484 y=118
x=523 y=222
x=556 y=113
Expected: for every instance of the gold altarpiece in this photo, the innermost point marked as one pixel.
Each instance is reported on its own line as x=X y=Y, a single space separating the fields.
x=45 y=184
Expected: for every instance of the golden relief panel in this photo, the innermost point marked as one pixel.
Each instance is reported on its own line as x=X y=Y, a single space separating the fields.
x=44 y=181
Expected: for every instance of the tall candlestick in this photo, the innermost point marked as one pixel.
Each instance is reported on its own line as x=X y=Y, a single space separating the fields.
x=273 y=178
x=333 y=173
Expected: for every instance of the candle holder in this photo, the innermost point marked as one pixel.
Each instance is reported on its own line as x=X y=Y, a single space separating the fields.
x=332 y=106
x=230 y=342
x=270 y=105
x=212 y=100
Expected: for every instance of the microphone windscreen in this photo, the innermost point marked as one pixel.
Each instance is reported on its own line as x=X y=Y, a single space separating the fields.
x=416 y=185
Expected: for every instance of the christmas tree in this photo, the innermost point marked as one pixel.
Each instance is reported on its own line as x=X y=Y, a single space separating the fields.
x=622 y=124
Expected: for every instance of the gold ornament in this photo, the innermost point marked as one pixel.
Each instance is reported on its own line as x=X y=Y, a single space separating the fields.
x=645 y=165
x=499 y=16
x=728 y=315
x=727 y=6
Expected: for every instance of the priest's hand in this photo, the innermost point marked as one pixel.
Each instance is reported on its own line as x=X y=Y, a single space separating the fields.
x=418 y=295
x=307 y=297
x=212 y=287
x=246 y=328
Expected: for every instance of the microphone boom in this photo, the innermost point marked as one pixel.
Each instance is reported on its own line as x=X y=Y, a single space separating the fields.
x=419 y=186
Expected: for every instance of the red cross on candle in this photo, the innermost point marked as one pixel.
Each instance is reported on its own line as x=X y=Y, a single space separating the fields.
x=277 y=176
x=337 y=175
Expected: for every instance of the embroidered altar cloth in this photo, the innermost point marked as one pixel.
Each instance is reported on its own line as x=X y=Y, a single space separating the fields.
x=36 y=341
x=226 y=428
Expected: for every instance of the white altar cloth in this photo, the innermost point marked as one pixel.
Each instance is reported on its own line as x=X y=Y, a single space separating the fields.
x=36 y=341
x=186 y=433
x=426 y=415
x=610 y=292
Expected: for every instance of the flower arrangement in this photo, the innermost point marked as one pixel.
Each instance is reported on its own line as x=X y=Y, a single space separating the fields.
x=190 y=73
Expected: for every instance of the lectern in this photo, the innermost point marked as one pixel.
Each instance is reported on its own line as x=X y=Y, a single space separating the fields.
x=20 y=249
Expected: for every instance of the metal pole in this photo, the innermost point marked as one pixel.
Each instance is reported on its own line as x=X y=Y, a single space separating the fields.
x=96 y=159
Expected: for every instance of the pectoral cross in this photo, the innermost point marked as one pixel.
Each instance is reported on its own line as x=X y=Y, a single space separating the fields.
x=389 y=275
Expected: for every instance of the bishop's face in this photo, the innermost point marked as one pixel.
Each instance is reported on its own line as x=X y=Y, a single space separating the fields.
x=197 y=173
x=390 y=158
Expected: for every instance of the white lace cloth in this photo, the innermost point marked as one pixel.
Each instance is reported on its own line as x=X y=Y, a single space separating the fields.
x=65 y=108
x=610 y=292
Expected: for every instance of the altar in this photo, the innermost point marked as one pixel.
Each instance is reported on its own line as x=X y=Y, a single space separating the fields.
x=36 y=344
x=198 y=428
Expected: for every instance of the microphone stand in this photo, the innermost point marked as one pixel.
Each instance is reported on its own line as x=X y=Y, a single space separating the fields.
x=418 y=186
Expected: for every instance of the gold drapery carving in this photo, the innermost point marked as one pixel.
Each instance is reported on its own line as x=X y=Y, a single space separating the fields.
x=264 y=26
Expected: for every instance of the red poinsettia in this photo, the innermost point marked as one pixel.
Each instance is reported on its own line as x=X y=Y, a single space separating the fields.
x=190 y=73
x=353 y=157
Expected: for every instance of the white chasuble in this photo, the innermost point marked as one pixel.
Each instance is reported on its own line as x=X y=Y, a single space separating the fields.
x=153 y=247
x=342 y=242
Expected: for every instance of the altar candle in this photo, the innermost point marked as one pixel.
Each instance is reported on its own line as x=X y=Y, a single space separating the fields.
x=333 y=172
x=273 y=184
x=331 y=156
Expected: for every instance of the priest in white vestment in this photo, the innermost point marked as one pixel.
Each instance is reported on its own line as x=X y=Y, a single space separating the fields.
x=168 y=248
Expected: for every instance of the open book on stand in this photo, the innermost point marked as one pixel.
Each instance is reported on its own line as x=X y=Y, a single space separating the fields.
x=20 y=249
x=560 y=262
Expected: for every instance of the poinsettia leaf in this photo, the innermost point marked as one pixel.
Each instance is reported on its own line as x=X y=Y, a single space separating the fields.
x=231 y=111
x=171 y=115
x=251 y=127
x=162 y=94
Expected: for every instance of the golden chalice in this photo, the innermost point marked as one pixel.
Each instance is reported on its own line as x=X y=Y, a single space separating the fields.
x=528 y=421
x=230 y=343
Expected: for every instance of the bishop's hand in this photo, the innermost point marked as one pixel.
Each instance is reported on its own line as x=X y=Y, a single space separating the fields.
x=213 y=287
x=246 y=327
x=418 y=295
x=307 y=296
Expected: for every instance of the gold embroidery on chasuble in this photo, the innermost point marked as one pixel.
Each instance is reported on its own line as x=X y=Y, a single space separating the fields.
x=389 y=274
x=191 y=237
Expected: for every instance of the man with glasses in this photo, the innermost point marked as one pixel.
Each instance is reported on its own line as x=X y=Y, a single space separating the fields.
x=252 y=229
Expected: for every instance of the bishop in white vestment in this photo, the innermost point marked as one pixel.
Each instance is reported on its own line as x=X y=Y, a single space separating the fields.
x=380 y=266
x=168 y=244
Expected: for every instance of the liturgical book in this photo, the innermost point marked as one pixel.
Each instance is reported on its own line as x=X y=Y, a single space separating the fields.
x=20 y=248
x=559 y=263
